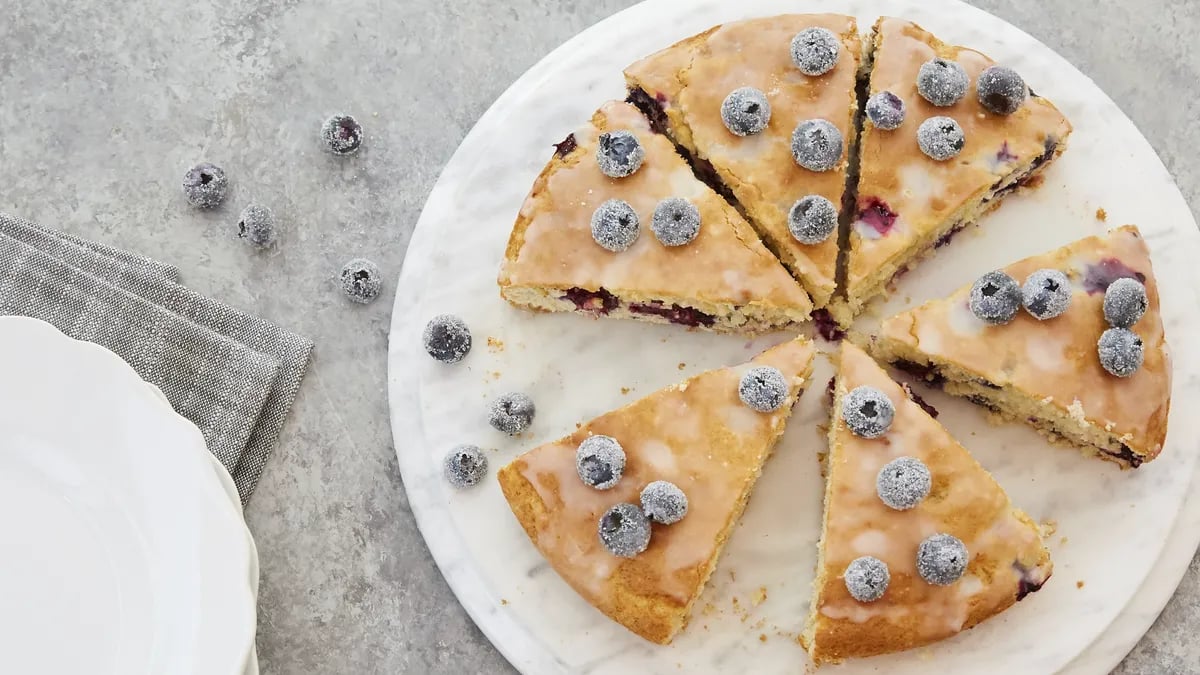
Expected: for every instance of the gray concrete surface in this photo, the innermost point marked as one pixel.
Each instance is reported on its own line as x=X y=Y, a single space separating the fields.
x=103 y=105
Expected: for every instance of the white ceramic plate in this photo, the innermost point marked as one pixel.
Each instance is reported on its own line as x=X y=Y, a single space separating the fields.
x=1111 y=525
x=122 y=552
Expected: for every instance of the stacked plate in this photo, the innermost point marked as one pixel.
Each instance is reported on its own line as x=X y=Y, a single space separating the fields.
x=123 y=549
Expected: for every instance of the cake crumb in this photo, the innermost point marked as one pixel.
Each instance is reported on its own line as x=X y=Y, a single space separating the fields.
x=1075 y=410
x=1049 y=527
x=495 y=344
x=682 y=365
x=579 y=425
x=1079 y=584
x=732 y=575
x=708 y=610
x=503 y=601
x=1101 y=215
x=762 y=637
x=495 y=374
x=1063 y=541
x=759 y=596
x=625 y=391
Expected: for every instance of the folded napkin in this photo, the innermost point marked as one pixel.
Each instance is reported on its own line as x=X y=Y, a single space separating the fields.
x=233 y=375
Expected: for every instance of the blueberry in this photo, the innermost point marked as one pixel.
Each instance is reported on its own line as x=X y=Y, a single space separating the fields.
x=995 y=298
x=361 y=280
x=812 y=219
x=746 y=111
x=257 y=225
x=942 y=82
x=1125 y=302
x=867 y=412
x=763 y=388
x=511 y=413
x=903 y=483
x=615 y=225
x=343 y=135
x=1001 y=90
x=940 y=138
x=464 y=466
x=663 y=502
x=619 y=154
x=204 y=185
x=600 y=461
x=885 y=110
x=817 y=145
x=942 y=559
x=624 y=530
x=1121 y=351
x=815 y=50
x=1046 y=294
x=447 y=338
x=867 y=578
x=676 y=221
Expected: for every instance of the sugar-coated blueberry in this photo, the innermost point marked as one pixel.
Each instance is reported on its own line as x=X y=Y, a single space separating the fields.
x=676 y=221
x=867 y=412
x=942 y=559
x=600 y=461
x=204 y=185
x=885 y=110
x=815 y=50
x=512 y=413
x=464 y=466
x=903 y=483
x=867 y=578
x=812 y=219
x=746 y=111
x=257 y=225
x=763 y=388
x=1001 y=90
x=663 y=502
x=342 y=134
x=940 y=138
x=995 y=298
x=1121 y=351
x=1046 y=294
x=817 y=145
x=1125 y=302
x=619 y=154
x=615 y=225
x=361 y=280
x=942 y=82
x=624 y=530
x=447 y=338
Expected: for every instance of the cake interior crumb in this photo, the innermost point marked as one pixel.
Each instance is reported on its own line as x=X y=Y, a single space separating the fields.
x=682 y=365
x=760 y=595
x=495 y=344
x=625 y=390
x=1079 y=584
x=1101 y=215
x=762 y=637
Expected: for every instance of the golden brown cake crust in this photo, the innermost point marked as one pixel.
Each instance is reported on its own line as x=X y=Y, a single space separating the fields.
x=551 y=245
x=692 y=78
x=697 y=435
x=1007 y=554
x=1056 y=359
x=926 y=196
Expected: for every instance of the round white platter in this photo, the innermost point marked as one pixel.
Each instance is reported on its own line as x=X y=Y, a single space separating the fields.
x=1111 y=527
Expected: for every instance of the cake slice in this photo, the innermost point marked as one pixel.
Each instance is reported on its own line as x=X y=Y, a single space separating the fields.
x=682 y=89
x=1048 y=373
x=724 y=279
x=698 y=435
x=855 y=613
x=908 y=204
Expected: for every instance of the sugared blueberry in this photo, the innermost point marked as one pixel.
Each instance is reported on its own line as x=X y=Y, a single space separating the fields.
x=812 y=219
x=663 y=502
x=447 y=338
x=1001 y=90
x=361 y=280
x=624 y=530
x=676 y=221
x=817 y=145
x=746 y=111
x=512 y=413
x=257 y=225
x=867 y=578
x=903 y=483
x=867 y=412
x=942 y=559
x=619 y=154
x=1125 y=302
x=815 y=50
x=885 y=110
x=995 y=298
x=343 y=135
x=204 y=185
x=615 y=225
x=763 y=388
x=1046 y=294
x=940 y=138
x=464 y=466
x=1121 y=351
x=600 y=461
x=942 y=82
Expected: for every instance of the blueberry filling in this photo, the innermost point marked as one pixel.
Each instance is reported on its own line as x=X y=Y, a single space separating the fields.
x=945 y=238
x=916 y=398
x=876 y=213
x=1050 y=145
x=827 y=328
x=981 y=401
x=1004 y=154
x=651 y=107
x=566 y=146
x=598 y=302
x=686 y=316
x=1026 y=585
x=1127 y=455
x=1103 y=273
x=925 y=372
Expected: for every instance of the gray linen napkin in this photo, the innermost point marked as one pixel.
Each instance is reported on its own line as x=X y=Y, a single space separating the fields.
x=235 y=376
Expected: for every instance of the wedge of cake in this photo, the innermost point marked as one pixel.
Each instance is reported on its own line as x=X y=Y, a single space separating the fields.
x=786 y=73
x=919 y=542
x=916 y=189
x=1049 y=373
x=586 y=241
x=708 y=437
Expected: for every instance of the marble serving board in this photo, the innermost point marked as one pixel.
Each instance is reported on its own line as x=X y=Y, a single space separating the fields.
x=1110 y=527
